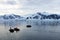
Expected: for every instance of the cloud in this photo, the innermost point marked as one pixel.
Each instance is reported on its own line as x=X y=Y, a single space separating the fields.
x=43 y=4
x=11 y=2
x=29 y=6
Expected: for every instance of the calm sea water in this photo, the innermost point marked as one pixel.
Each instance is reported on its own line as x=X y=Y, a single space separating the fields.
x=40 y=30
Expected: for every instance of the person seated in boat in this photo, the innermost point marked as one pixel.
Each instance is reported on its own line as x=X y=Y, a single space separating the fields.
x=16 y=29
x=11 y=30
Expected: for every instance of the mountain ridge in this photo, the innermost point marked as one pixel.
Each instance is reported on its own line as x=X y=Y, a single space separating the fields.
x=38 y=15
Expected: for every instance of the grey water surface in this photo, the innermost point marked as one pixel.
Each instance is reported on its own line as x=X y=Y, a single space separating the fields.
x=40 y=30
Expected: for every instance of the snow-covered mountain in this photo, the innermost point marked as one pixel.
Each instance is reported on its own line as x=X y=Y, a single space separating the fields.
x=43 y=15
x=38 y=15
x=10 y=16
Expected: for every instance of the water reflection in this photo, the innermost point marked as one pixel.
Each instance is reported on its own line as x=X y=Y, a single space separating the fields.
x=40 y=30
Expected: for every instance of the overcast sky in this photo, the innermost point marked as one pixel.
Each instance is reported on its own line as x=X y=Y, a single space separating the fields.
x=23 y=7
